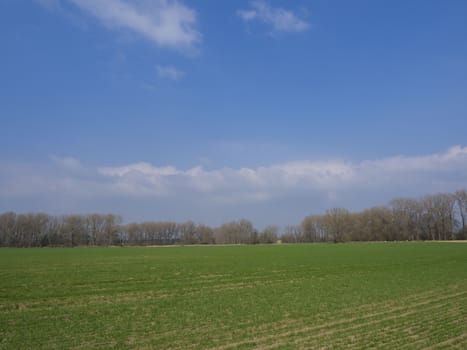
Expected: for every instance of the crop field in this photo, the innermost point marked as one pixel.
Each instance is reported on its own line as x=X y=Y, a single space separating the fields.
x=341 y=296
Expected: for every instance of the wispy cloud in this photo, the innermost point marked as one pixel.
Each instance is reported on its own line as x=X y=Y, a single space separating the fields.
x=320 y=183
x=280 y=19
x=166 y=23
x=169 y=72
x=50 y=4
x=66 y=162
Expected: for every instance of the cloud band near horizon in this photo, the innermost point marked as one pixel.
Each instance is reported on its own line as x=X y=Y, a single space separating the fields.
x=333 y=183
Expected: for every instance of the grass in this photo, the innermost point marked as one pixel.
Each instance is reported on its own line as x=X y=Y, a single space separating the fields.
x=352 y=296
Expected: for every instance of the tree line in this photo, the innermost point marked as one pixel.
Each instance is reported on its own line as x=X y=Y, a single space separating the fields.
x=434 y=217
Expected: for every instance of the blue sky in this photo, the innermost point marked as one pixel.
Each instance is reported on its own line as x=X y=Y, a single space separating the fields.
x=215 y=111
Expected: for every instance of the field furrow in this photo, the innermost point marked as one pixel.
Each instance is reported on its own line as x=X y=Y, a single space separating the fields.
x=357 y=318
x=355 y=296
x=291 y=328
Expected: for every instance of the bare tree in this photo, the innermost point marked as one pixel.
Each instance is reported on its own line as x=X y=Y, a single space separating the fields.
x=407 y=217
x=134 y=233
x=461 y=202
x=439 y=216
x=268 y=235
x=96 y=227
x=8 y=231
x=313 y=229
x=74 y=230
x=236 y=232
x=188 y=232
x=292 y=234
x=111 y=229
x=435 y=217
x=205 y=234
x=337 y=223
x=372 y=224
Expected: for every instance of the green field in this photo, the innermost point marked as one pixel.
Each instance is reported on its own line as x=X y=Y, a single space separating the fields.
x=342 y=296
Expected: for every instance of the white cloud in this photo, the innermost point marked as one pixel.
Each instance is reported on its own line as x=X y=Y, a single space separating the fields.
x=169 y=72
x=66 y=162
x=329 y=176
x=298 y=186
x=167 y=23
x=280 y=19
